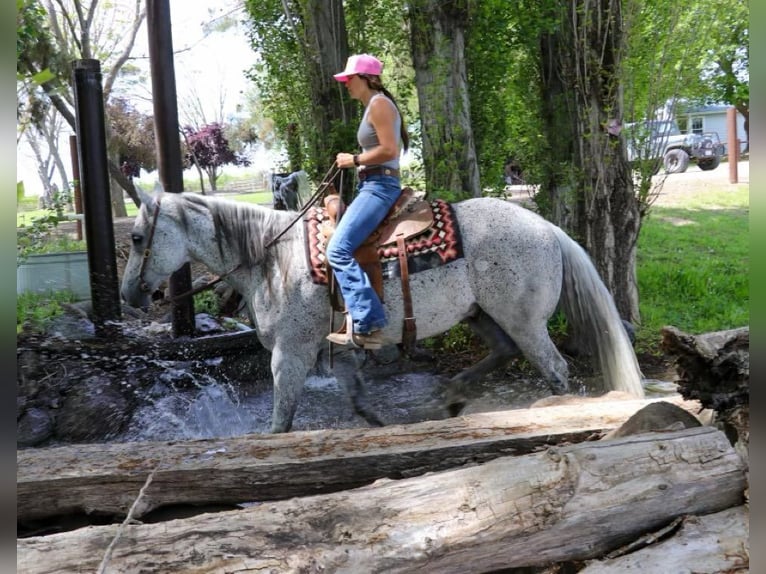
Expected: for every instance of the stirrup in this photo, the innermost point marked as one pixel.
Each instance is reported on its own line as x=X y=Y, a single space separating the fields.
x=346 y=336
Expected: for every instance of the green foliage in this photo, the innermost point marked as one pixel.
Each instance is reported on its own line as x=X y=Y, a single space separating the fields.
x=35 y=311
x=37 y=236
x=458 y=339
x=207 y=302
x=503 y=72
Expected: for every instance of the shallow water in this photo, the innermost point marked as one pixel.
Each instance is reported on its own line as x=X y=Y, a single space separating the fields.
x=181 y=400
x=219 y=409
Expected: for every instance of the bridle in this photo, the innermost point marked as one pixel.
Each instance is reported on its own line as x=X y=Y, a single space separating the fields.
x=143 y=285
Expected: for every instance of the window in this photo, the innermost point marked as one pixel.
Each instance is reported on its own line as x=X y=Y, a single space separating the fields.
x=683 y=124
x=697 y=126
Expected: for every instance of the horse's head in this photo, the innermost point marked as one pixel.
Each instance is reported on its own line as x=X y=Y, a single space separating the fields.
x=158 y=247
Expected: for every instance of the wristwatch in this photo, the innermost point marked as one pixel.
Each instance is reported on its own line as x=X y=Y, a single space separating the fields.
x=356 y=159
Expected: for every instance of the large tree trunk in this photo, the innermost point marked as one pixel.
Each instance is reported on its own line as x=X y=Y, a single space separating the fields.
x=568 y=503
x=589 y=188
x=326 y=47
x=437 y=40
x=103 y=479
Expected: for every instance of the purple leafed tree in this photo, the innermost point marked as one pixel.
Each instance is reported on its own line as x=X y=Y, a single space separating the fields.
x=208 y=149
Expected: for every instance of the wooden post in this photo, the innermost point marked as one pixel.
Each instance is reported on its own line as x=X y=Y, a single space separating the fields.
x=732 y=143
x=169 y=161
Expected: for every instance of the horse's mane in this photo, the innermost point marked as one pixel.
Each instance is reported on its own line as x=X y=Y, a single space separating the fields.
x=241 y=229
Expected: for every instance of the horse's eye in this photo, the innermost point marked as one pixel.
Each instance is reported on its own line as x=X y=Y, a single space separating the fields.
x=136 y=238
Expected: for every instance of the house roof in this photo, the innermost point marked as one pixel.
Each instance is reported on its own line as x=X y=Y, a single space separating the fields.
x=709 y=109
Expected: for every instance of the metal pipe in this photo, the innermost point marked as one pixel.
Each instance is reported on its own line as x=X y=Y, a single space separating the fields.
x=169 y=161
x=94 y=183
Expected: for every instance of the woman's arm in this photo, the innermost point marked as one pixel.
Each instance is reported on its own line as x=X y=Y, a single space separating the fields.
x=382 y=116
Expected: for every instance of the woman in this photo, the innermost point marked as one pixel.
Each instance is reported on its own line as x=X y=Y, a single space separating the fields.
x=381 y=133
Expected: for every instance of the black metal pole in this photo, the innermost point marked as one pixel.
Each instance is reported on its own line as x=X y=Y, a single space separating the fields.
x=94 y=185
x=169 y=161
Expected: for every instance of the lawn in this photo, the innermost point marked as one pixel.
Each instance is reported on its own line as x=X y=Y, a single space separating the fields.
x=693 y=265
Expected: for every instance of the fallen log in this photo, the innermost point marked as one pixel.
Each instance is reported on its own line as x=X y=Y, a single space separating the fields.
x=708 y=544
x=104 y=479
x=714 y=368
x=569 y=503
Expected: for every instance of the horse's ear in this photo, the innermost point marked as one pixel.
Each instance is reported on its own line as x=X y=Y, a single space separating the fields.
x=146 y=198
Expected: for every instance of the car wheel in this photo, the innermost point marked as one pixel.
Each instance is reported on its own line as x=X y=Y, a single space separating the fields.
x=708 y=164
x=676 y=161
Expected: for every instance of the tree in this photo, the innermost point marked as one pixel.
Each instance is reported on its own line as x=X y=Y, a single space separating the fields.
x=56 y=32
x=728 y=75
x=437 y=42
x=209 y=150
x=133 y=140
x=302 y=97
x=588 y=189
x=42 y=139
x=301 y=45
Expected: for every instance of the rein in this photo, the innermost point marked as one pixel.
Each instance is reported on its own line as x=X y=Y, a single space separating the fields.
x=329 y=176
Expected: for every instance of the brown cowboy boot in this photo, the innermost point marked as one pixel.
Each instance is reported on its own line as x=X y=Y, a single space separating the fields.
x=346 y=336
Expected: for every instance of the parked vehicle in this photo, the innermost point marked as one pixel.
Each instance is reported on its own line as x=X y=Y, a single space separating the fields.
x=661 y=140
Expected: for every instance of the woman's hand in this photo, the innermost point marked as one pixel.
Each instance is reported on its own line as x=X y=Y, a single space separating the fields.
x=344 y=160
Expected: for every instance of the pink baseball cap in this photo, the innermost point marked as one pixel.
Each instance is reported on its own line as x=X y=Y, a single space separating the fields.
x=360 y=64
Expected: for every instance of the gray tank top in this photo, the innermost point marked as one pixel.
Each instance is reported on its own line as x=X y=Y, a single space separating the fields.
x=368 y=137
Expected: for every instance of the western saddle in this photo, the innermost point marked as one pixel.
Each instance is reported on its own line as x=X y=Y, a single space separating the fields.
x=408 y=217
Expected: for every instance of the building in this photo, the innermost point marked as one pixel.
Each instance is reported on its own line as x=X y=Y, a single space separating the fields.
x=701 y=119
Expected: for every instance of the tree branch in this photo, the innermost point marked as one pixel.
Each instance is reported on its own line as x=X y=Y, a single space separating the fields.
x=112 y=76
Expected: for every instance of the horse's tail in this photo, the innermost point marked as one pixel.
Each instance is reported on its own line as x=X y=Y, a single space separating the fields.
x=592 y=314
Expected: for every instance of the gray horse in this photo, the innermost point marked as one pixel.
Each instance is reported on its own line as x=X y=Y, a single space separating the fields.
x=516 y=270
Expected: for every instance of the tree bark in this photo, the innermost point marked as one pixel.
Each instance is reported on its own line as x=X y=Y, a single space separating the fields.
x=326 y=50
x=437 y=41
x=710 y=544
x=714 y=368
x=570 y=503
x=589 y=188
x=104 y=478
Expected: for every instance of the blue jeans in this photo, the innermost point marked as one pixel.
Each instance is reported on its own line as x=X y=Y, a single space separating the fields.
x=377 y=194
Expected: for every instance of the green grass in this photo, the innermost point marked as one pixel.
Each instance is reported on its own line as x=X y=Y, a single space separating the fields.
x=693 y=267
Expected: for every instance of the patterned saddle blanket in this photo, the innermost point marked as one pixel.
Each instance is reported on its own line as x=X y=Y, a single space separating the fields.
x=436 y=245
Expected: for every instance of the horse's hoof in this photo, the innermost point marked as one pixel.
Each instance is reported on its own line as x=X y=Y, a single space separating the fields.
x=559 y=388
x=455 y=408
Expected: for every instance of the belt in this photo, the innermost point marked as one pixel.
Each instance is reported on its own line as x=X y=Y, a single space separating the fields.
x=366 y=172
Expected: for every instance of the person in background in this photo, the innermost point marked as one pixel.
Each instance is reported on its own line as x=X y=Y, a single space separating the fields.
x=381 y=136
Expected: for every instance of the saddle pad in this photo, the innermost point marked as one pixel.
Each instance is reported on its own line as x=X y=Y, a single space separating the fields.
x=436 y=246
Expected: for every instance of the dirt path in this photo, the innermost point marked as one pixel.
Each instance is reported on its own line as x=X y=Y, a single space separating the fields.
x=677 y=189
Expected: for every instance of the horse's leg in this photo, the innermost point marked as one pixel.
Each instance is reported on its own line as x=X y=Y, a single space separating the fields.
x=347 y=369
x=289 y=370
x=535 y=343
x=501 y=350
